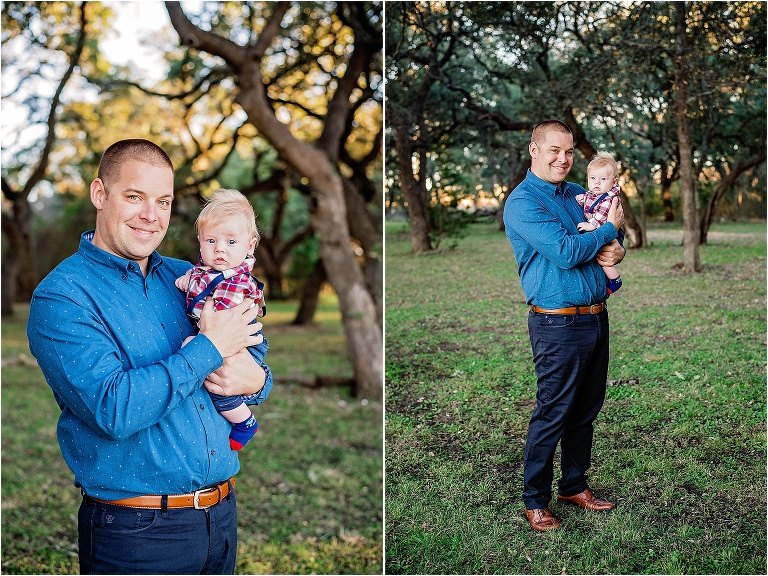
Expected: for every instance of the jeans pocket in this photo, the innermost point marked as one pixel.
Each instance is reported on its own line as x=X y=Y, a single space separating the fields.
x=555 y=320
x=121 y=519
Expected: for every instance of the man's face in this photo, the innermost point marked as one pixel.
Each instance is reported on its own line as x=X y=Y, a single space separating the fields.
x=133 y=212
x=551 y=159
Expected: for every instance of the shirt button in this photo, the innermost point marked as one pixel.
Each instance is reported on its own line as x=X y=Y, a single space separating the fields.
x=202 y=406
x=213 y=452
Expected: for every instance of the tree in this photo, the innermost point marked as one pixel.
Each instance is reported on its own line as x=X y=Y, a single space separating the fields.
x=516 y=63
x=19 y=275
x=410 y=86
x=727 y=180
x=319 y=163
x=687 y=187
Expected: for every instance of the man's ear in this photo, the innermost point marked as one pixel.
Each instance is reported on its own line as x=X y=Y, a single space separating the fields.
x=533 y=149
x=98 y=192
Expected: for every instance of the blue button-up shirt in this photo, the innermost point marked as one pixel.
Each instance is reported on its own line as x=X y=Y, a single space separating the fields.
x=556 y=263
x=135 y=417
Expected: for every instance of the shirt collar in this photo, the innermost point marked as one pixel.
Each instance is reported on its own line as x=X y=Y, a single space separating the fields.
x=96 y=255
x=548 y=187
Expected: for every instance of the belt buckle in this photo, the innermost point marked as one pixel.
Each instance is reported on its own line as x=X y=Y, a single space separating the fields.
x=595 y=308
x=196 y=497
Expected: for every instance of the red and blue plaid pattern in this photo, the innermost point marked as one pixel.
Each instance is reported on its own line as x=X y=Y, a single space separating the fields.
x=597 y=214
x=237 y=285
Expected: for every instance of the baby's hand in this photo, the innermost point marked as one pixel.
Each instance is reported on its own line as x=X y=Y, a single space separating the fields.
x=585 y=226
x=182 y=282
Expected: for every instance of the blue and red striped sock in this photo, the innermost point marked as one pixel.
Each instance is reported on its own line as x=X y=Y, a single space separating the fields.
x=242 y=432
x=614 y=284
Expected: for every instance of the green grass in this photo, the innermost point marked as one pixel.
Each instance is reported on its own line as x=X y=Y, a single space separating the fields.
x=310 y=485
x=680 y=444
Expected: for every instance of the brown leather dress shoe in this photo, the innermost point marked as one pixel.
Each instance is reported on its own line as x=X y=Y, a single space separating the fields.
x=588 y=501
x=541 y=519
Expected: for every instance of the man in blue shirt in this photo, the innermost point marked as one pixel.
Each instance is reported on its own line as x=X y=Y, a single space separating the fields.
x=137 y=426
x=565 y=287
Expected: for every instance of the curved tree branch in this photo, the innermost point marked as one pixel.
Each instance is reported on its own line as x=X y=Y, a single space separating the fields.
x=233 y=54
x=214 y=76
x=269 y=31
x=74 y=60
x=339 y=109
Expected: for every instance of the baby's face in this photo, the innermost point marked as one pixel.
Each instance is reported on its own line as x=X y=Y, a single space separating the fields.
x=226 y=245
x=601 y=180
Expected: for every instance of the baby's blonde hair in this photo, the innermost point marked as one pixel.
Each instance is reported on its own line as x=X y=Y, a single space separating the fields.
x=223 y=205
x=603 y=159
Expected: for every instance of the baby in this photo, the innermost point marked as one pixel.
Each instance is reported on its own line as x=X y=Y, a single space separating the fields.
x=227 y=232
x=603 y=187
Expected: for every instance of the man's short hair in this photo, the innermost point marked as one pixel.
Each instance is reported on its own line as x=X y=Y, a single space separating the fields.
x=224 y=205
x=541 y=129
x=604 y=159
x=123 y=151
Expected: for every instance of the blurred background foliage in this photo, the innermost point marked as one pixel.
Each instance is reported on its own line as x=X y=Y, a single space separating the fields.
x=467 y=81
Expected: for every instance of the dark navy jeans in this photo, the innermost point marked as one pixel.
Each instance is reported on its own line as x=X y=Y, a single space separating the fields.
x=122 y=540
x=570 y=354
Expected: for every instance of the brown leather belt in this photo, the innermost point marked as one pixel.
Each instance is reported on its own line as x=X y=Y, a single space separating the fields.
x=573 y=310
x=199 y=499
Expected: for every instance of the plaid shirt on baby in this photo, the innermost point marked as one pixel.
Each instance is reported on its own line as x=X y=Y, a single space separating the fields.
x=236 y=285
x=596 y=206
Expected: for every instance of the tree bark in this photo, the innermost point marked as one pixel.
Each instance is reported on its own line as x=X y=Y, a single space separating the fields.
x=310 y=295
x=272 y=252
x=328 y=213
x=10 y=265
x=364 y=230
x=18 y=257
x=514 y=182
x=417 y=210
x=692 y=259
x=666 y=190
x=725 y=184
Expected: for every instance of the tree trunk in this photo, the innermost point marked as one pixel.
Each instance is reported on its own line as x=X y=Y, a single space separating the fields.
x=632 y=226
x=9 y=275
x=417 y=210
x=328 y=213
x=19 y=281
x=367 y=232
x=309 y=297
x=725 y=183
x=18 y=257
x=688 y=194
x=666 y=191
x=666 y=200
x=272 y=266
x=329 y=220
x=514 y=182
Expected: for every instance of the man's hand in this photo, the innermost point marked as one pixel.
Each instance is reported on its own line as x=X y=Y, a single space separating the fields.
x=230 y=330
x=611 y=254
x=616 y=213
x=240 y=374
